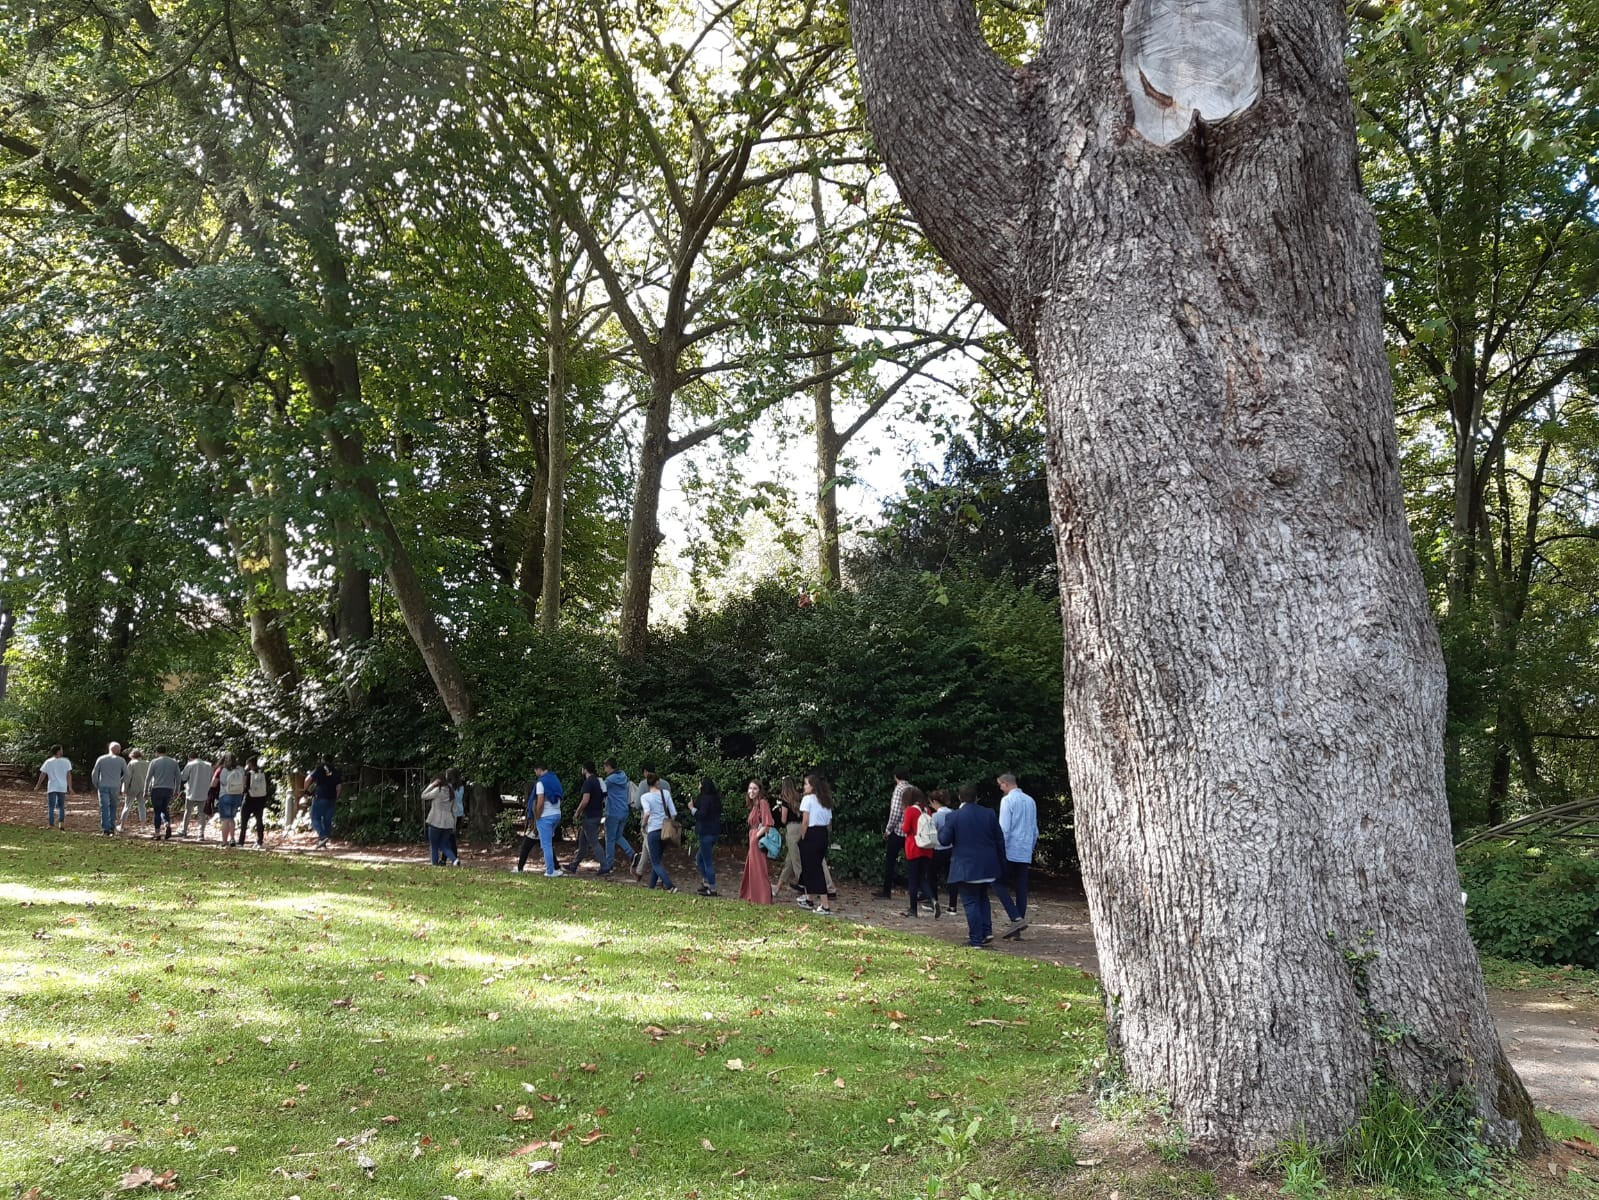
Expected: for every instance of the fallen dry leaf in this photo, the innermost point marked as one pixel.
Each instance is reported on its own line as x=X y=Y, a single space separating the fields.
x=540 y=1167
x=735 y=1064
x=588 y=1139
x=705 y=1144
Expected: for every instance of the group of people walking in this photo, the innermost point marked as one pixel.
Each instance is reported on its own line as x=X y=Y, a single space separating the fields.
x=961 y=847
x=232 y=791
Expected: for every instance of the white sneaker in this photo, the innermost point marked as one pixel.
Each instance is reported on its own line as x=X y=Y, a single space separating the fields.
x=803 y=901
x=555 y=874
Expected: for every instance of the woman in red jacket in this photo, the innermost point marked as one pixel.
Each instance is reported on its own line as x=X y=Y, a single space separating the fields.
x=918 y=859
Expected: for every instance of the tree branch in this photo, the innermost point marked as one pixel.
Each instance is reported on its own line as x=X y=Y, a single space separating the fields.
x=949 y=117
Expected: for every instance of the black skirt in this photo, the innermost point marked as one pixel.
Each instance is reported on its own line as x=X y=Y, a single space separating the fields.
x=813 y=851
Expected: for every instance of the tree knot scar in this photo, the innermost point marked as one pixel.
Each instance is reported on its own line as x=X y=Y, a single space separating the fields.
x=1183 y=59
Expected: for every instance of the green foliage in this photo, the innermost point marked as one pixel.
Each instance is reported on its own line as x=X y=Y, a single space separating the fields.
x=1535 y=902
x=1300 y=1163
x=1419 y=1147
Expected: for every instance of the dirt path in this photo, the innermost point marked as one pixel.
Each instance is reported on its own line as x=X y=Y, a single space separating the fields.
x=1551 y=1035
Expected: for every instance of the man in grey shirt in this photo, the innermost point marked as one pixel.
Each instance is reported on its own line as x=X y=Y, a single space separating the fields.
x=108 y=777
x=165 y=777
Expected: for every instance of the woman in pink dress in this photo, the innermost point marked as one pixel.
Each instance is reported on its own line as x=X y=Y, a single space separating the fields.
x=757 y=885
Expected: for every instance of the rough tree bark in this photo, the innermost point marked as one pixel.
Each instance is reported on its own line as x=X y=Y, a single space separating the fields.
x=1254 y=688
x=643 y=526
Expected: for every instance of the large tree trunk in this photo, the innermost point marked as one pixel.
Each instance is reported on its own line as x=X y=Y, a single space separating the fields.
x=8 y=624
x=534 y=513
x=643 y=527
x=1254 y=687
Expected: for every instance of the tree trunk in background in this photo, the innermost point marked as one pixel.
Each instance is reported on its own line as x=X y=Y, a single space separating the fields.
x=555 y=518
x=269 y=640
x=828 y=443
x=8 y=625
x=535 y=506
x=643 y=527
x=1254 y=688
x=352 y=587
x=333 y=383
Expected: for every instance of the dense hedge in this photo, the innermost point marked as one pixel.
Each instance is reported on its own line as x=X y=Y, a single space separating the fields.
x=1533 y=902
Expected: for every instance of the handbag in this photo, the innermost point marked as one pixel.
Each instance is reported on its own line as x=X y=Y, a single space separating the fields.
x=771 y=842
x=671 y=831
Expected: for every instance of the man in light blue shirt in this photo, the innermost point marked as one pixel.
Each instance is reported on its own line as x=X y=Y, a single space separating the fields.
x=616 y=810
x=1018 y=822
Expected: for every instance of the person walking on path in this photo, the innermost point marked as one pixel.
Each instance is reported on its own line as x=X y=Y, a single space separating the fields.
x=816 y=817
x=655 y=805
x=166 y=776
x=893 y=833
x=918 y=858
x=232 y=779
x=617 y=808
x=257 y=791
x=134 y=790
x=707 y=810
x=439 y=797
x=757 y=884
x=786 y=816
x=543 y=819
x=456 y=782
x=196 y=783
x=588 y=816
x=324 y=781
x=108 y=777
x=55 y=777
x=939 y=799
x=1018 y=822
x=972 y=833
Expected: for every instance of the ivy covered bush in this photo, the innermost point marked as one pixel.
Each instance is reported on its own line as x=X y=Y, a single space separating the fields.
x=1534 y=902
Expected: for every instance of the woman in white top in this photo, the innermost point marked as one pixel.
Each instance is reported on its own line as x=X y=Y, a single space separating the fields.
x=657 y=806
x=230 y=794
x=816 y=821
x=439 y=796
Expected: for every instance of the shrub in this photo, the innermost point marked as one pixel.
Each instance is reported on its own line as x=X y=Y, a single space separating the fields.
x=1534 y=902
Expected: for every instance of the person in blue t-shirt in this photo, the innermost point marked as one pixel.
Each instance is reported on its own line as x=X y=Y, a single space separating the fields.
x=617 y=807
x=543 y=815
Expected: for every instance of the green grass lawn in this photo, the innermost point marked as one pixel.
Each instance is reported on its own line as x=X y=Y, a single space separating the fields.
x=268 y=1026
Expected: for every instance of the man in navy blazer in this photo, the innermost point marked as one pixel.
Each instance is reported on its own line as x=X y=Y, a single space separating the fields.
x=972 y=833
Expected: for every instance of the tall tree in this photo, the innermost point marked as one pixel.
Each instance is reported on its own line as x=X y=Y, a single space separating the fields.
x=1165 y=209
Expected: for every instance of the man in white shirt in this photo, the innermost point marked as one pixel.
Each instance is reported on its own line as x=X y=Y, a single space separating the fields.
x=196 y=776
x=1018 y=823
x=109 y=777
x=55 y=776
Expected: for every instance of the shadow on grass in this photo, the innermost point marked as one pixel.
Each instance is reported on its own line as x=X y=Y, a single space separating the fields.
x=233 y=1017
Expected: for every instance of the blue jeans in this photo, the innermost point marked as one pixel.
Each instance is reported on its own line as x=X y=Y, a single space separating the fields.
x=1013 y=909
x=653 y=841
x=547 y=827
x=979 y=917
x=160 y=808
x=704 y=861
x=439 y=849
x=613 y=840
x=56 y=807
x=108 y=809
x=322 y=818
